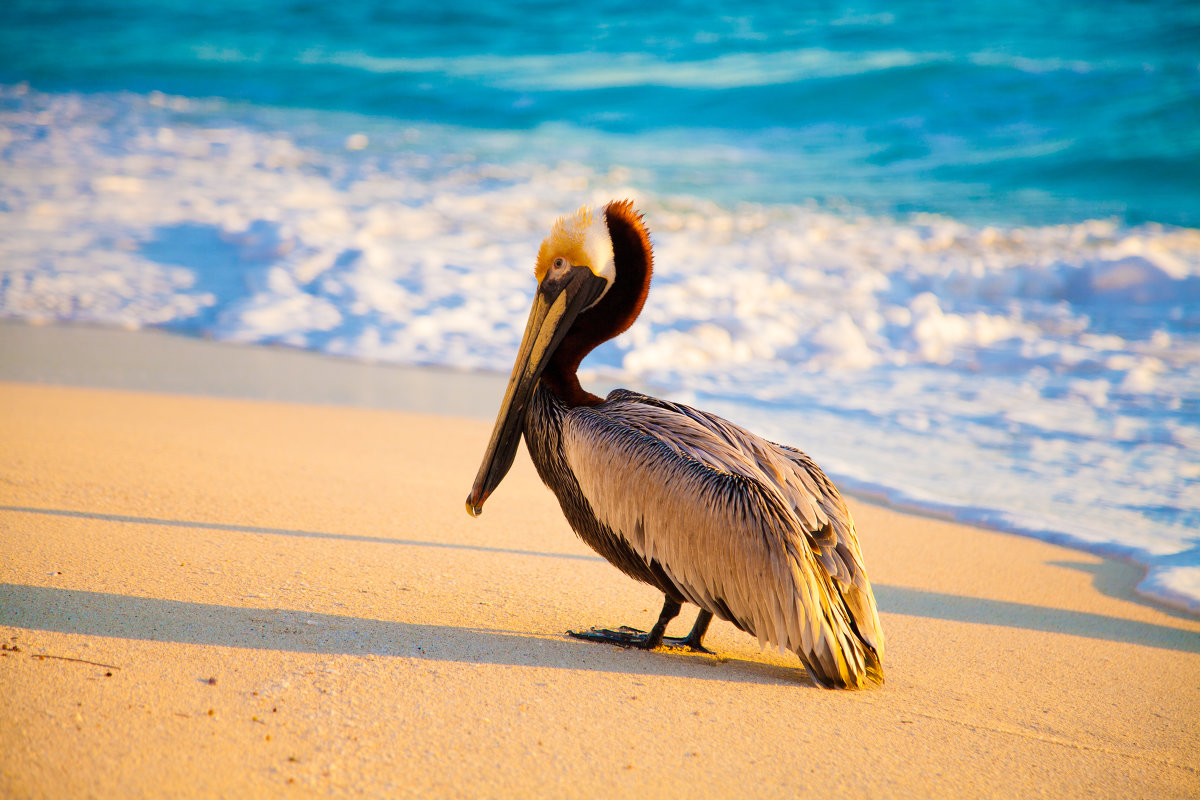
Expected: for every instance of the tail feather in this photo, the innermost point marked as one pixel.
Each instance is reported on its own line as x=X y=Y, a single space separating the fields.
x=840 y=656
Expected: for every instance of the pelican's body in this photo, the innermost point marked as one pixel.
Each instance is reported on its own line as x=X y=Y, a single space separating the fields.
x=705 y=511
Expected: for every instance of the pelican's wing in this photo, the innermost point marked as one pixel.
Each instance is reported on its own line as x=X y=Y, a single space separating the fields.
x=740 y=526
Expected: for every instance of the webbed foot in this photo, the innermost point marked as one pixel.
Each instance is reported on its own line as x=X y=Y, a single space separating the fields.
x=685 y=643
x=623 y=636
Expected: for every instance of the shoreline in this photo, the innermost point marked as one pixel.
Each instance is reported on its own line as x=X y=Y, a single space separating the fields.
x=158 y=360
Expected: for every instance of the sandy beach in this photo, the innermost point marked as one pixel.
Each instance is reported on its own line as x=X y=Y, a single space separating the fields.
x=208 y=596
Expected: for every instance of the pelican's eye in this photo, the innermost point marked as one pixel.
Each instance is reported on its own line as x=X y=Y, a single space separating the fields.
x=560 y=263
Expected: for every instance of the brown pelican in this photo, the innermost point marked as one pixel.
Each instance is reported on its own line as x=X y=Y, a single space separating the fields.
x=703 y=510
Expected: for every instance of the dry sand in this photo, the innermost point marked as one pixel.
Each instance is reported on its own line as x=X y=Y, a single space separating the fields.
x=218 y=597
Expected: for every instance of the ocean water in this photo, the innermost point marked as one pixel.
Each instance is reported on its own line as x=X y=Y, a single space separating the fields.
x=953 y=253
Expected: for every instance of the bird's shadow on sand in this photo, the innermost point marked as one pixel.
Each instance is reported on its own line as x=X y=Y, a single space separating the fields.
x=1118 y=579
x=153 y=619
x=157 y=620
x=959 y=608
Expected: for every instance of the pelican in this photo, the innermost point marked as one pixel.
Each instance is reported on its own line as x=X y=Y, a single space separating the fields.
x=706 y=512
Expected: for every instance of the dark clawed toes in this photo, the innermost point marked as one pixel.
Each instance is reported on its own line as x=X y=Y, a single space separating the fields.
x=686 y=644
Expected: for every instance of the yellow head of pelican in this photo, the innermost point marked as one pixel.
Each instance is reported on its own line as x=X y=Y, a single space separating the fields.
x=580 y=240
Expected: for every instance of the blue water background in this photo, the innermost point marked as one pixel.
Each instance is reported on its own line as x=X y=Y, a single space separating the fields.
x=1007 y=112
x=366 y=163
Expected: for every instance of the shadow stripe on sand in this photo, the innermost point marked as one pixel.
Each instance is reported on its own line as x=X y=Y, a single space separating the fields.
x=233 y=528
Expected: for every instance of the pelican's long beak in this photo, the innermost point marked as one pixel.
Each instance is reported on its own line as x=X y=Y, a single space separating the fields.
x=557 y=303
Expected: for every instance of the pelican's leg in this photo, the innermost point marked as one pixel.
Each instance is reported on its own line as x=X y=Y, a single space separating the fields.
x=632 y=637
x=692 y=640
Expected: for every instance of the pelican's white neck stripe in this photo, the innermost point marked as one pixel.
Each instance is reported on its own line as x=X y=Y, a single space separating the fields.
x=598 y=247
x=597 y=244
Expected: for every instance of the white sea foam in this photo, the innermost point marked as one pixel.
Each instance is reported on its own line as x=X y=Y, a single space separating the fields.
x=586 y=71
x=574 y=71
x=1039 y=379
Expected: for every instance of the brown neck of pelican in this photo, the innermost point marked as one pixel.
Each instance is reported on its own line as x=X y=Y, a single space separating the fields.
x=614 y=313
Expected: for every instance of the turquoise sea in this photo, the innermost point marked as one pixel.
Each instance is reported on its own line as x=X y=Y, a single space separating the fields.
x=1006 y=111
